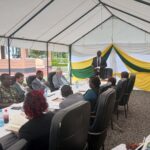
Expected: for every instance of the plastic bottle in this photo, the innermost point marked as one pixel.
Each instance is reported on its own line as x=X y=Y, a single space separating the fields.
x=6 y=116
x=1 y=118
x=77 y=84
x=45 y=92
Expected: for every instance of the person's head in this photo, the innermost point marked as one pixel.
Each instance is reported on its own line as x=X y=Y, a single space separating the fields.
x=19 y=77
x=125 y=74
x=39 y=74
x=112 y=80
x=94 y=82
x=5 y=80
x=35 y=104
x=66 y=90
x=59 y=71
x=99 y=53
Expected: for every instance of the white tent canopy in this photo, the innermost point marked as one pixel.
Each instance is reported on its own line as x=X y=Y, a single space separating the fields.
x=31 y=24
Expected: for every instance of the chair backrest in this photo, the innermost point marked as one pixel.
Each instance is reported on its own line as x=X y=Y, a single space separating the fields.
x=50 y=80
x=29 y=80
x=104 y=87
x=108 y=72
x=104 y=111
x=131 y=83
x=13 y=80
x=121 y=89
x=69 y=127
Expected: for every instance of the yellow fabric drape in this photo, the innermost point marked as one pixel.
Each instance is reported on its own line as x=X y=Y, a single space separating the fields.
x=135 y=61
x=142 y=79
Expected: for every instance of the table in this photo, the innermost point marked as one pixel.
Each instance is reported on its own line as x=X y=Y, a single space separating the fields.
x=53 y=99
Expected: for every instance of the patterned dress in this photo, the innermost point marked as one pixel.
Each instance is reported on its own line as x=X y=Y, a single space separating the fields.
x=8 y=96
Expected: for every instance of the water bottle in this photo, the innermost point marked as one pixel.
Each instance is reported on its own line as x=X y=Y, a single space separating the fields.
x=45 y=92
x=1 y=118
x=6 y=116
x=77 y=85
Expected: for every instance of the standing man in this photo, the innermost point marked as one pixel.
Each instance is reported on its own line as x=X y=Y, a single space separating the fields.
x=99 y=64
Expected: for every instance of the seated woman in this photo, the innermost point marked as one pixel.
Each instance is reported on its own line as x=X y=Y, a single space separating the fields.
x=36 y=131
x=91 y=95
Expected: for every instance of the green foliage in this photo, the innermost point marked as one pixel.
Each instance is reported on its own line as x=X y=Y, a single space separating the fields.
x=59 y=59
x=37 y=54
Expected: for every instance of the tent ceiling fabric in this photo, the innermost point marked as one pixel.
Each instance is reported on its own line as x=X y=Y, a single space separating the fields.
x=60 y=14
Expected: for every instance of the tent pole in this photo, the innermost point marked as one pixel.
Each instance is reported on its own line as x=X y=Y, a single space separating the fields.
x=47 y=59
x=70 y=68
x=8 y=46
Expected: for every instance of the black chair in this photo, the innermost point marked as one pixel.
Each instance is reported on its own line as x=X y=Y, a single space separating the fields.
x=104 y=87
x=50 y=80
x=120 y=92
x=69 y=128
x=98 y=130
x=13 y=80
x=125 y=99
x=10 y=142
x=108 y=72
x=29 y=80
x=19 y=145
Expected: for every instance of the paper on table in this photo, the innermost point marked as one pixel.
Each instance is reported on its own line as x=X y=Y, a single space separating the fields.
x=16 y=120
x=120 y=147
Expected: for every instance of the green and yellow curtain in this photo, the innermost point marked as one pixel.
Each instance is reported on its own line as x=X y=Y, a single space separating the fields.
x=84 y=69
x=140 y=68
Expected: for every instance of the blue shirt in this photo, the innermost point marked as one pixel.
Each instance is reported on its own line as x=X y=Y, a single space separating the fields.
x=91 y=96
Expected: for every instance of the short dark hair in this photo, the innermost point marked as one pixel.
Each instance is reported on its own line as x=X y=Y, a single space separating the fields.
x=95 y=82
x=112 y=80
x=18 y=75
x=39 y=71
x=99 y=53
x=66 y=90
x=125 y=74
x=35 y=104
x=3 y=76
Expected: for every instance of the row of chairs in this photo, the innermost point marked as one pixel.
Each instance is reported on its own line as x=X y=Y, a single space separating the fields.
x=123 y=92
x=70 y=126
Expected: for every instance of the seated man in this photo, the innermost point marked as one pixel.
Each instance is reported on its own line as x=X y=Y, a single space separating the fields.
x=70 y=98
x=112 y=80
x=39 y=83
x=91 y=95
x=19 y=86
x=59 y=79
x=8 y=95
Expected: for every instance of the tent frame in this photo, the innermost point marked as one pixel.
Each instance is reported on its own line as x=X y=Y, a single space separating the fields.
x=106 y=6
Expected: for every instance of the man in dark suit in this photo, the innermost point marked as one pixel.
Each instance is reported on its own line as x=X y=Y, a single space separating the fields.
x=99 y=64
x=39 y=83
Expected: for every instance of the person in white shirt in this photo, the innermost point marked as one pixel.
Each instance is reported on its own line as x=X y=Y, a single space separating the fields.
x=59 y=79
x=39 y=83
